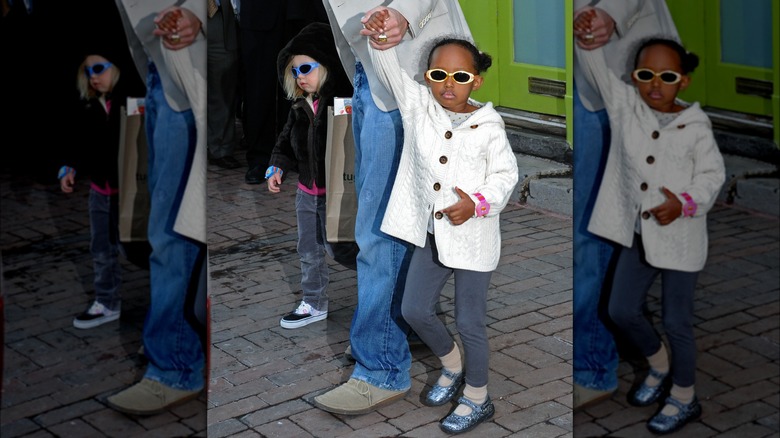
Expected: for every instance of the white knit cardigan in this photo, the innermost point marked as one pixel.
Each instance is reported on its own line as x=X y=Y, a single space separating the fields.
x=682 y=156
x=475 y=157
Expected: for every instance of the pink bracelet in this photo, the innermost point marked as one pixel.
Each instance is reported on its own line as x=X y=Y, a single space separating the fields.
x=483 y=208
x=689 y=208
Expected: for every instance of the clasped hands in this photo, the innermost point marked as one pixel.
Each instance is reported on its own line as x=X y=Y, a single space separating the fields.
x=178 y=27
x=592 y=27
x=385 y=27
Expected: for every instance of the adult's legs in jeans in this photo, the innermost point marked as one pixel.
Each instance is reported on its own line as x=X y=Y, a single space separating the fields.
x=378 y=332
x=103 y=216
x=595 y=355
x=171 y=344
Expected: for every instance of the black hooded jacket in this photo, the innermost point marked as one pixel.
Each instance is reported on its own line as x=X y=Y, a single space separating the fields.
x=301 y=144
x=96 y=139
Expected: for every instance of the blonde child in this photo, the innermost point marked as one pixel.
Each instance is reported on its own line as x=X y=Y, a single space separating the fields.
x=663 y=174
x=96 y=156
x=311 y=73
x=456 y=174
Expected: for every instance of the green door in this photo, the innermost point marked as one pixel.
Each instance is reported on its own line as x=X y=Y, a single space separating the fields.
x=734 y=39
x=530 y=43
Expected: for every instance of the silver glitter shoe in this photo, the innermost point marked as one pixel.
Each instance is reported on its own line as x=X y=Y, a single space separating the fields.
x=645 y=395
x=662 y=424
x=439 y=395
x=458 y=424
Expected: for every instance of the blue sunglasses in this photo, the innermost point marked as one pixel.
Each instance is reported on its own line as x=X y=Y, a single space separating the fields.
x=96 y=69
x=304 y=69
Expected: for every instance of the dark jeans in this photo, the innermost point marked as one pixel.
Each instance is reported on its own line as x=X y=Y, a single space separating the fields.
x=424 y=283
x=312 y=246
x=104 y=246
x=633 y=278
x=595 y=353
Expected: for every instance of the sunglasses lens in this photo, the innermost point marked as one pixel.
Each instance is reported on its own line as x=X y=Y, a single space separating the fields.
x=461 y=77
x=437 y=75
x=670 y=77
x=98 y=68
x=644 y=75
x=304 y=69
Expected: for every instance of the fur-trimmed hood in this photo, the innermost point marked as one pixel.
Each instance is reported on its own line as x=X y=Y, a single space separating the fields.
x=316 y=41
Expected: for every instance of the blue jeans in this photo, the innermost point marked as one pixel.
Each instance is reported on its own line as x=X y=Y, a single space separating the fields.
x=312 y=246
x=104 y=247
x=595 y=354
x=171 y=344
x=378 y=332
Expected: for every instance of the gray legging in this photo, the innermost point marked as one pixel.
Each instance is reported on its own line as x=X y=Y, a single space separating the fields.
x=633 y=278
x=425 y=280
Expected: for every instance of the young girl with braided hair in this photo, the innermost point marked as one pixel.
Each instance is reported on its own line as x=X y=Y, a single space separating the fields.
x=663 y=174
x=456 y=174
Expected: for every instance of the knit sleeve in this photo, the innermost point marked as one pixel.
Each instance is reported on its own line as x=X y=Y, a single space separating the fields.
x=501 y=173
x=409 y=94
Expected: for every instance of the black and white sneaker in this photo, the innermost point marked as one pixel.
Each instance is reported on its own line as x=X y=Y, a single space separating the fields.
x=96 y=315
x=303 y=315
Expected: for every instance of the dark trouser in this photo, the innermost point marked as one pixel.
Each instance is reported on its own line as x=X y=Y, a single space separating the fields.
x=104 y=246
x=424 y=284
x=312 y=246
x=222 y=91
x=633 y=278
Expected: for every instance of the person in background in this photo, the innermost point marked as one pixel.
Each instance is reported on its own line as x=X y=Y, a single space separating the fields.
x=222 y=83
x=95 y=155
x=264 y=29
x=311 y=74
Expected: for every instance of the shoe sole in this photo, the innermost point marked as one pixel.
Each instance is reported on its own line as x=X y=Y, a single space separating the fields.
x=376 y=406
x=95 y=322
x=153 y=411
x=303 y=322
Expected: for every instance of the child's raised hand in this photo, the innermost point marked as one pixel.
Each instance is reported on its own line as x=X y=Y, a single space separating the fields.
x=593 y=28
x=582 y=22
x=462 y=210
x=376 y=21
x=274 y=181
x=385 y=27
x=670 y=210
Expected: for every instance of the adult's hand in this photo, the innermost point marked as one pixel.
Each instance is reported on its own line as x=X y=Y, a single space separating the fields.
x=387 y=22
x=178 y=27
x=593 y=27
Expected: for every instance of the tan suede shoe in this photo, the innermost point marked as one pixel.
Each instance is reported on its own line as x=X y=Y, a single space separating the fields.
x=587 y=397
x=148 y=397
x=356 y=397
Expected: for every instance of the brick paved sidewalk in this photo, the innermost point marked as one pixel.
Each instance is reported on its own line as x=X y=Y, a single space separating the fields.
x=737 y=327
x=56 y=378
x=263 y=377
